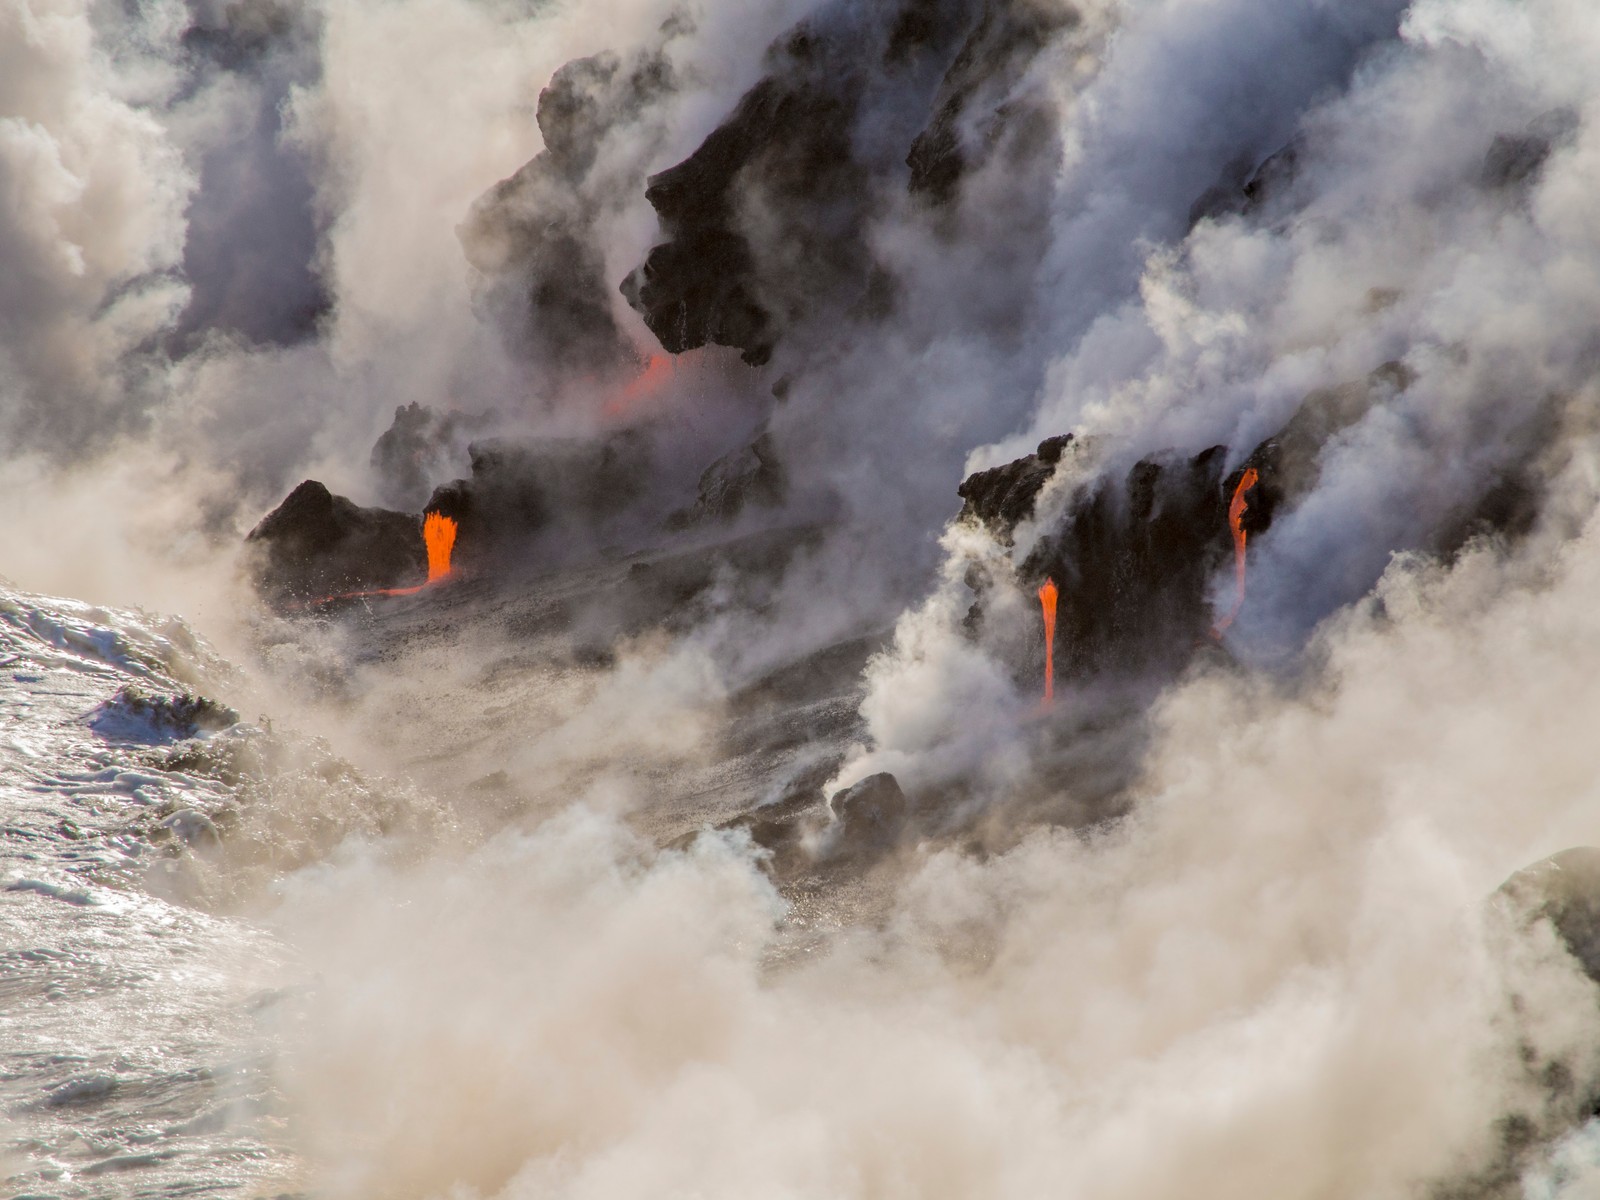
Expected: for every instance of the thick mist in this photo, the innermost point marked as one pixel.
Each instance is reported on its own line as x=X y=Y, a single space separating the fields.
x=1268 y=958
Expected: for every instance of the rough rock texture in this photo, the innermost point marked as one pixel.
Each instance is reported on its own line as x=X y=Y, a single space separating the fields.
x=1135 y=561
x=534 y=236
x=766 y=222
x=1135 y=556
x=414 y=451
x=975 y=110
x=871 y=814
x=786 y=144
x=1565 y=888
x=518 y=488
x=317 y=544
x=749 y=475
x=1003 y=497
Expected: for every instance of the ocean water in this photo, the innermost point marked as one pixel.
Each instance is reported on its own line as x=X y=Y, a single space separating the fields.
x=134 y=1025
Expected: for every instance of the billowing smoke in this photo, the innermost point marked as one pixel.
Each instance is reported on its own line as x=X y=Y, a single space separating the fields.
x=1262 y=330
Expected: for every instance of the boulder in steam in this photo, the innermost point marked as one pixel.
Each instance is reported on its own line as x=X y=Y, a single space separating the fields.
x=317 y=544
x=750 y=475
x=1565 y=888
x=869 y=816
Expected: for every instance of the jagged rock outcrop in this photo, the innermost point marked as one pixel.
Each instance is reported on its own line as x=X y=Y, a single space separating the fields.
x=749 y=475
x=975 y=110
x=1246 y=186
x=534 y=237
x=785 y=151
x=516 y=489
x=414 y=450
x=1136 y=555
x=317 y=544
x=1003 y=497
x=766 y=222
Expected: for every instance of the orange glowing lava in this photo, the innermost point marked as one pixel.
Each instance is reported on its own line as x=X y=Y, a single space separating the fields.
x=656 y=374
x=1236 y=511
x=1047 y=602
x=439 y=535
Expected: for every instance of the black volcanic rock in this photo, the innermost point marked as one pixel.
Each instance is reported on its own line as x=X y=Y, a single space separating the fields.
x=1245 y=189
x=1134 y=562
x=414 y=450
x=766 y=222
x=749 y=475
x=317 y=544
x=534 y=238
x=1515 y=160
x=975 y=108
x=1135 y=557
x=789 y=143
x=870 y=815
x=518 y=488
x=1003 y=497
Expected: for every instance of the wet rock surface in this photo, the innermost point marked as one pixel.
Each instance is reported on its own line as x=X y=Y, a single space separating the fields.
x=1137 y=555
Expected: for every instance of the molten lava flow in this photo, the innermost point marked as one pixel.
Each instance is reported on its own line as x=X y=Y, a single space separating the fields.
x=1047 y=601
x=657 y=373
x=1236 y=511
x=439 y=532
x=439 y=535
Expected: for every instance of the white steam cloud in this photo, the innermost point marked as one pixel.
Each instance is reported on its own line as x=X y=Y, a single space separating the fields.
x=1280 y=969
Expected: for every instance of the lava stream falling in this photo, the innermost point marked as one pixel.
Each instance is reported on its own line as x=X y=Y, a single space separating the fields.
x=1047 y=602
x=439 y=535
x=1236 y=511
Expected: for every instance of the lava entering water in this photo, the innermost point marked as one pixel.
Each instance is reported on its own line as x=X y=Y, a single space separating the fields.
x=1236 y=511
x=1047 y=602
x=439 y=535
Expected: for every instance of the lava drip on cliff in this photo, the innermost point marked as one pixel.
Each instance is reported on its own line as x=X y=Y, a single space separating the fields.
x=1047 y=602
x=1236 y=511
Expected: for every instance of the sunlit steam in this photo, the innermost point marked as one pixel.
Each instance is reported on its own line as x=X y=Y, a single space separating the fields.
x=1047 y=602
x=1236 y=511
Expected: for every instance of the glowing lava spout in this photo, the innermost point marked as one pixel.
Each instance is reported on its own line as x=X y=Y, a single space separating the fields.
x=1047 y=602
x=439 y=533
x=1236 y=511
